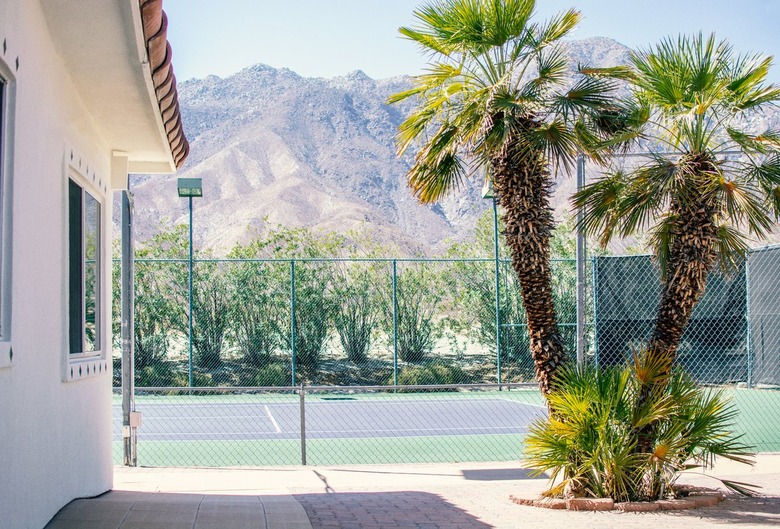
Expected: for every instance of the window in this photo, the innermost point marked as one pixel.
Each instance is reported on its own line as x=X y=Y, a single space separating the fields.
x=84 y=270
x=3 y=113
x=6 y=134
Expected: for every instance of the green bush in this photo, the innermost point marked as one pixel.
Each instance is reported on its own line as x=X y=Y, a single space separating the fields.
x=436 y=372
x=589 y=445
x=161 y=374
x=273 y=375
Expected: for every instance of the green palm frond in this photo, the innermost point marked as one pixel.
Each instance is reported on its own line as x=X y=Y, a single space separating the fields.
x=622 y=73
x=591 y=437
x=763 y=143
x=588 y=94
x=556 y=140
x=493 y=77
x=600 y=202
x=430 y=183
x=732 y=247
x=557 y=27
x=688 y=94
x=743 y=204
x=552 y=67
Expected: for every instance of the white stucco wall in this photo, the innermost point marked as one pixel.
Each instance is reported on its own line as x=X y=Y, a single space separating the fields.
x=55 y=435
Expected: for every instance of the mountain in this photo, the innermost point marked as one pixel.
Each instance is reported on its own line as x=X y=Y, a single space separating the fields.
x=273 y=147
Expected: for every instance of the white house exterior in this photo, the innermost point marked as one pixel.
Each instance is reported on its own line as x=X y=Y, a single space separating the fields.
x=87 y=96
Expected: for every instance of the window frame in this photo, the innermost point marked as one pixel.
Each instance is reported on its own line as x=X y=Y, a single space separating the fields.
x=7 y=112
x=74 y=180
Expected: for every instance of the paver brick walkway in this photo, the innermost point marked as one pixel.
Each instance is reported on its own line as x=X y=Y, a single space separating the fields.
x=450 y=496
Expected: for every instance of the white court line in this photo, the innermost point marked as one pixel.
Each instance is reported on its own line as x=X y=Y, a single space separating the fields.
x=523 y=403
x=273 y=421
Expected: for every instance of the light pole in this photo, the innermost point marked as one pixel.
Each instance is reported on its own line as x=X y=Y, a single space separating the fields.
x=581 y=281
x=487 y=192
x=190 y=187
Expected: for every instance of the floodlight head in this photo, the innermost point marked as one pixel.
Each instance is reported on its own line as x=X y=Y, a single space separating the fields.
x=487 y=189
x=190 y=187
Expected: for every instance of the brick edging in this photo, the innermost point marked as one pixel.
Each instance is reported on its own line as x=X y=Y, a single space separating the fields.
x=693 y=501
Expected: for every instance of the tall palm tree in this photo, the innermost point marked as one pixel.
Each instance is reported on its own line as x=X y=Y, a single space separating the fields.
x=715 y=185
x=493 y=101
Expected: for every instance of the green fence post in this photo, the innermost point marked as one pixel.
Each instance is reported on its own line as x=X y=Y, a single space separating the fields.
x=292 y=317
x=595 y=282
x=748 y=323
x=395 y=325
x=498 y=295
x=302 y=394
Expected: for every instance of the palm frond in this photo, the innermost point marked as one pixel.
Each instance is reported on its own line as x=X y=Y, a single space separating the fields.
x=431 y=180
x=600 y=202
x=556 y=140
x=732 y=247
x=763 y=143
x=589 y=93
x=557 y=27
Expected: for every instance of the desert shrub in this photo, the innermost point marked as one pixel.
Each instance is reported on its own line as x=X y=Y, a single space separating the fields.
x=589 y=444
x=273 y=375
x=436 y=372
x=160 y=374
x=419 y=291
x=259 y=306
x=357 y=308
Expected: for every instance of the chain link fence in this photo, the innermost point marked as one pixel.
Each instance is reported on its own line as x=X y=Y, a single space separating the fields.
x=402 y=360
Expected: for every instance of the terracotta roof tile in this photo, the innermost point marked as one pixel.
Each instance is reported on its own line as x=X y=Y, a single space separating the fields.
x=158 y=48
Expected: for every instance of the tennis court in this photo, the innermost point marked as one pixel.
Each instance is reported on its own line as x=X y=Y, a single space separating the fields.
x=264 y=429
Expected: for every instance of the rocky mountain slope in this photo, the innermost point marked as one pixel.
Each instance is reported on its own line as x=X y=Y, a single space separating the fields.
x=273 y=147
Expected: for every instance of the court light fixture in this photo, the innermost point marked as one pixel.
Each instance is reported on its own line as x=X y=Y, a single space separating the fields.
x=190 y=187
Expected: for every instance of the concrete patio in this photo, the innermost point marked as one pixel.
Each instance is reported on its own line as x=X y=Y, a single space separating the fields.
x=447 y=496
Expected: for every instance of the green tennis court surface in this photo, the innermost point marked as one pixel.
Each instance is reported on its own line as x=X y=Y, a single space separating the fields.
x=265 y=429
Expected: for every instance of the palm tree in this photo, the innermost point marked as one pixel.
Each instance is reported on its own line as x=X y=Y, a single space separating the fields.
x=716 y=183
x=493 y=101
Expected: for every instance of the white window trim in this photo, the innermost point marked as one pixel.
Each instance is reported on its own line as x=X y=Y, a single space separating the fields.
x=7 y=121
x=78 y=366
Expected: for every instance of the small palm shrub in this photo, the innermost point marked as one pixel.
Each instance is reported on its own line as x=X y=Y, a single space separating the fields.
x=589 y=444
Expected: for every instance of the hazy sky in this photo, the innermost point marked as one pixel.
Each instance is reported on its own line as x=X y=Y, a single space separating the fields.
x=327 y=38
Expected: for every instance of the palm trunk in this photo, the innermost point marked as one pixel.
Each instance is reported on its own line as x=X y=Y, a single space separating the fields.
x=522 y=186
x=692 y=255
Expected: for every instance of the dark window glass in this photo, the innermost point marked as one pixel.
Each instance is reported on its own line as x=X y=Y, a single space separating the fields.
x=76 y=269
x=84 y=270
x=2 y=194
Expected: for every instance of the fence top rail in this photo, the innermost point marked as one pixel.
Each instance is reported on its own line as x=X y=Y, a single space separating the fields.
x=323 y=389
x=337 y=260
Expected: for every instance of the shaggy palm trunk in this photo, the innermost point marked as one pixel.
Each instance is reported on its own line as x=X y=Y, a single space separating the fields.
x=692 y=255
x=522 y=186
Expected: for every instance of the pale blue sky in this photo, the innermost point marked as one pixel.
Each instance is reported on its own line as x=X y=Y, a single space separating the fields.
x=327 y=38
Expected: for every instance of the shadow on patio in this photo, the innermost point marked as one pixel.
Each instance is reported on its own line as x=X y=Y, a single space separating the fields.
x=405 y=509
